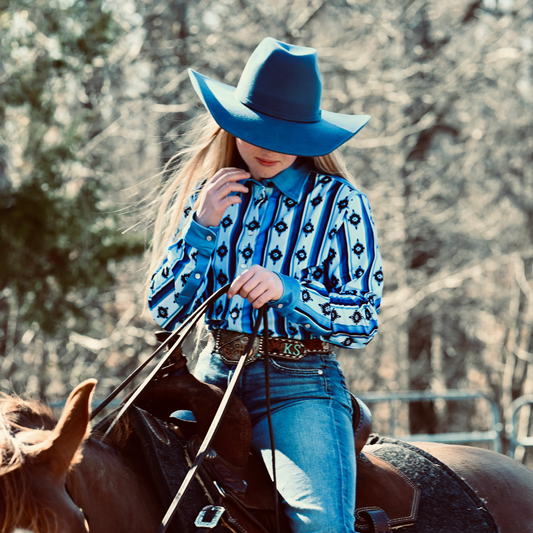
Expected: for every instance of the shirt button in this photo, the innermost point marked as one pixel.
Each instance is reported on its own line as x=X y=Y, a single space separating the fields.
x=197 y=275
x=320 y=372
x=250 y=232
x=209 y=238
x=280 y=306
x=243 y=266
x=307 y=326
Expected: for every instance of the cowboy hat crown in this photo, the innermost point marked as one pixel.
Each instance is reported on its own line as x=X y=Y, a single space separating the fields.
x=282 y=81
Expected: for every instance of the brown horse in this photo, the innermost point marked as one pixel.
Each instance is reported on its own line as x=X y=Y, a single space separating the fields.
x=52 y=479
x=52 y=476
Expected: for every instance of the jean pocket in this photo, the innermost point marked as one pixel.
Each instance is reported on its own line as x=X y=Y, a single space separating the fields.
x=310 y=364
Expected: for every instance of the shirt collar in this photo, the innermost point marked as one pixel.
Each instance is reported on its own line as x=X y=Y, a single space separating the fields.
x=291 y=181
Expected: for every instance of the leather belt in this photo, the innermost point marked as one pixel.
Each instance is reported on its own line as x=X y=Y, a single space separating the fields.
x=230 y=345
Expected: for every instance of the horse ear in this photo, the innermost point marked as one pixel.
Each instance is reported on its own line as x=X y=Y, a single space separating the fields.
x=59 y=449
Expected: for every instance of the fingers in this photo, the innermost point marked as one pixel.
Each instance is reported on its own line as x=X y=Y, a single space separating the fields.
x=258 y=285
x=219 y=194
x=237 y=287
x=226 y=182
x=229 y=174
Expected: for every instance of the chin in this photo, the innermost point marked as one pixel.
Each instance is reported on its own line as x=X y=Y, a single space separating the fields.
x=266 y=174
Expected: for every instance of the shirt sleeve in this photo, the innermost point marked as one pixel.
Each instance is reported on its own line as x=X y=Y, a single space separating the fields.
x=180 y=282
x=339 y=300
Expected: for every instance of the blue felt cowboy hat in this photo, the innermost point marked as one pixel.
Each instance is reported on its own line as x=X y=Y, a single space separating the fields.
x=276 y=104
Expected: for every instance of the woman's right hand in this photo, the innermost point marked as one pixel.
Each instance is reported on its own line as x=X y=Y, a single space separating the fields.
x=217 y=195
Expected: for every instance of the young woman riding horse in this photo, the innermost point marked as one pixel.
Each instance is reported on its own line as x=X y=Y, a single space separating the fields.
x=262 y=198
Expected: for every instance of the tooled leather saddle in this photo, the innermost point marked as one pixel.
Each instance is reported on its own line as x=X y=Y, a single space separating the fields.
x=236 y=481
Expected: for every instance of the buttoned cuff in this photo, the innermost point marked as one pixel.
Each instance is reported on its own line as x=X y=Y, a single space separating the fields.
x=290 y=297
x=201 y=238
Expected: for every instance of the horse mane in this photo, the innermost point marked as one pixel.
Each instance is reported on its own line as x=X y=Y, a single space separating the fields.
x=18 y=417
x=26 y=414
x=119 y=436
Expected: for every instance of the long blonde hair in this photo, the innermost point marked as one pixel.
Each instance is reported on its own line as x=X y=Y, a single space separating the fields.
x=207 y=149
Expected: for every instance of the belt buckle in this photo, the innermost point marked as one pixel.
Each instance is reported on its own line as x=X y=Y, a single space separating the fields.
x=233 y=350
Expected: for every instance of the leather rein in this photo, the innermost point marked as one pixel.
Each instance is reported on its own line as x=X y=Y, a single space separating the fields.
x=175 y=340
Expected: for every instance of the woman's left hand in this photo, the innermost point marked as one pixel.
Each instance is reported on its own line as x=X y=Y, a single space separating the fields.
x=258 y=285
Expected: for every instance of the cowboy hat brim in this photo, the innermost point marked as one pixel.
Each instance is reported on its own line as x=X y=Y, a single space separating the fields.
x=311 y=139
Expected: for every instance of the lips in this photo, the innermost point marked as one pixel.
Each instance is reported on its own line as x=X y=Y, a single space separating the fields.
x=266 y=163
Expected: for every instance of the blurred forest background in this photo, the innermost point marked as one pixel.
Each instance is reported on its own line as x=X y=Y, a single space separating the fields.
x=94 y=95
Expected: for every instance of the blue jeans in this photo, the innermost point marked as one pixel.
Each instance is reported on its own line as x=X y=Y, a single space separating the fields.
x=312 y=420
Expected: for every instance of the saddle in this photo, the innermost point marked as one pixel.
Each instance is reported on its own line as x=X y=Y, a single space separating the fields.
x=386 y=498
x=235 y=480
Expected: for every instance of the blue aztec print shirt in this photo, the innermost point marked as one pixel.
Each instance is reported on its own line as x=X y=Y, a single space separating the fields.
x=315 y=231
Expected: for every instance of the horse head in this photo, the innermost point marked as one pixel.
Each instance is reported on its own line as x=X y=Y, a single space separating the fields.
x=35 y=460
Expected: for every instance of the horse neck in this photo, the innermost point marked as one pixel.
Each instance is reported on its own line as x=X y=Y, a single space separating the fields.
x=114 y=494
